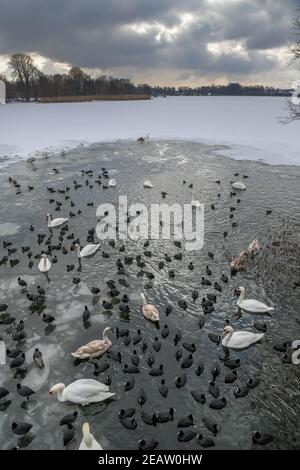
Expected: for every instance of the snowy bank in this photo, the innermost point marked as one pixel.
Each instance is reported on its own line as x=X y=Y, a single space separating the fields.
x=249 y=125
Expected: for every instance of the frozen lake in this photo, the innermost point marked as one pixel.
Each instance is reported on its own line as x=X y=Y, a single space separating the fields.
x=248 y=125
x=271 y=407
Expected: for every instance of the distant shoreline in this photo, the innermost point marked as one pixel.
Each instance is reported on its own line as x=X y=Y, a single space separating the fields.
x=77 y=99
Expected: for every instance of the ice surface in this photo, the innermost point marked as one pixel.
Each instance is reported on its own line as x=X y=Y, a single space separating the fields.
x=249 y=125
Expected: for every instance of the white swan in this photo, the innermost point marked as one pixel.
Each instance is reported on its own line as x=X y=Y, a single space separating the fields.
x=149 y=311
x=56 y=222
x=239 y=339
x=95 y=348
x=251 y=305
x=147 y=184
x=296 y=354
x=44 y=264
x=88 y=441
x=112 y=183
x=88 y=250
x=82 y=391
x=238 y=185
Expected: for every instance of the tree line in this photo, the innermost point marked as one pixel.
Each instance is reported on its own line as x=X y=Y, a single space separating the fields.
x=28 y=82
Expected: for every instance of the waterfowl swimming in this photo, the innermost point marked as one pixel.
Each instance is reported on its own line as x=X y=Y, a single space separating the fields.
x=44 y=264
x=187 y=362
x=129 y=384
x=24 y=391
x=200 y=368
x=165 y=416
x=165 y=331
x=241 y=391
x=148 y=445
x=126 y=413
x=69 y=419
x=82 y=391
x=88 y=250
x=230 y=377
x=18 y=361
x=68 y=434
x=157 y=371
x=261 y=438
x=238 y=185
x=238 y=263
x=147 y=184
x=163 y=388
x=254 y=247
x=88 y=441
x=239 y=339
x=135 y=358
x=21 y=428
x=196 y=203
x=232 y=363
x=149 y=311
x=251 y=305
x=186 y=421
x=218 y=403
x=205 y=441
x=198 y=396
x=213 y=389
x=148 y=418
x=211 y=425
x=3 y=392
x=156 y=344
x=94 y=348
x=56 y=222
x=112 y=183
x=38 y=359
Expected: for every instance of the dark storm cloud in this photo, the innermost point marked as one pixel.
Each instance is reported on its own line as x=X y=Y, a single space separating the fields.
x=97 y=33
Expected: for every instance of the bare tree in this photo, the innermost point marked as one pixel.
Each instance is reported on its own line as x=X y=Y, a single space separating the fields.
x=24 y=70
x=294 y=106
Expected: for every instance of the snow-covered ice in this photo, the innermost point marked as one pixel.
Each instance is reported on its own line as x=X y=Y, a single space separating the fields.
x=249 y=125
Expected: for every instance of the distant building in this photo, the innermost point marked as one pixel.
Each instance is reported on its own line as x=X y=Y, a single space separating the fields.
x=2 y=92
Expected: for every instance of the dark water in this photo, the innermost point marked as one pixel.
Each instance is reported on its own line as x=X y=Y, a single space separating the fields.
x=273 y=407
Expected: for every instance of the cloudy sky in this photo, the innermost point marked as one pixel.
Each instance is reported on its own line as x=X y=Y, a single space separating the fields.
x=175 y=42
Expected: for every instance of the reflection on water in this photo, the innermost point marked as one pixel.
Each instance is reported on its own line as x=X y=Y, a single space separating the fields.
x=271 y=407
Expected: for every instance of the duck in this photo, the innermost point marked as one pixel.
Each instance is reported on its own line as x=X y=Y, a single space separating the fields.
x=147 y=184
x=251 y=305
x=44 y=264
x=239 y=339
x=239 y=185
x=149 y=311
x=112 y=183
x=254 y=247
x=82 y=391
x=88 y=250
x=239 y=262
x=69 y=419
x=94 y=348
x=56 y=222
x=88 y=441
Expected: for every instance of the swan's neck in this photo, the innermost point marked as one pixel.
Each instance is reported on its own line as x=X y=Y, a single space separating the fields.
x=144 y=299
x=241 y=297
x=106 y=338
x=45 y=261
x=87 y=437
x=60 y=394
x=228 y=337
x=49 y=222
x=77 y=250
